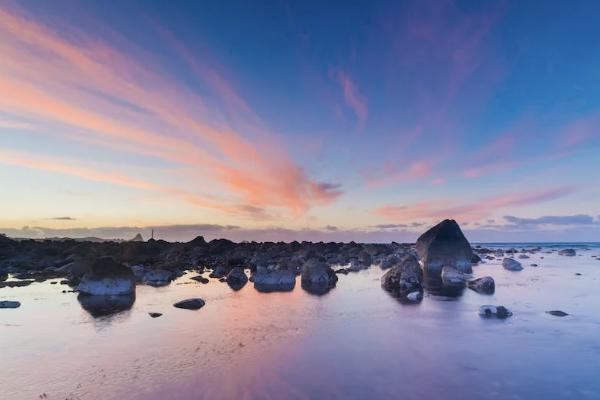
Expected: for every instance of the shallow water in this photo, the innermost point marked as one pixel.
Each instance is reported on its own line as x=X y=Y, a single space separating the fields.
x=355 y=342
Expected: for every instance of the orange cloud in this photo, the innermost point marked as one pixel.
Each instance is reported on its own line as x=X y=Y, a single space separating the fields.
x=27 y=160
x=123 y=101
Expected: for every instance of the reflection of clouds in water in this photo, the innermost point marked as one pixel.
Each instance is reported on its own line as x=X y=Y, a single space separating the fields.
x=354 y=342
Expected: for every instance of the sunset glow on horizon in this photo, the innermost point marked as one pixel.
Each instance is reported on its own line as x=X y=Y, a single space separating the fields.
x=300 y=120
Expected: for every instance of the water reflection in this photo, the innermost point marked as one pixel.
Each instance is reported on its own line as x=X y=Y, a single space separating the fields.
x=435 y=286
x=299 y=346
x=102 y=306
x=236 y=285
x=317 y=290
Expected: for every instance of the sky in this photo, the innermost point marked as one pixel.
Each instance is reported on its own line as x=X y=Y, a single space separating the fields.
x=281 y=120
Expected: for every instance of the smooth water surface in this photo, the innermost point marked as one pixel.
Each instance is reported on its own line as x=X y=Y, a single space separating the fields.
x=355 y=342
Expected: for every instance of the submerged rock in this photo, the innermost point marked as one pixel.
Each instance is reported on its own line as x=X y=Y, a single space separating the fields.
x=557 y=313
x=317 y=277
x=107 y=278
x=485 y=285
x=511 y=264
x=190 y=304
x=500 y=312
x=274 y=280
x=9 y=304
x=444 y=245
x=567 y=252
x=404 y=279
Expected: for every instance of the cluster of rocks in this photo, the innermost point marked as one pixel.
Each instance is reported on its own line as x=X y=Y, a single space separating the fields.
x=445 y=268
x=106 y=273
x=157 y=262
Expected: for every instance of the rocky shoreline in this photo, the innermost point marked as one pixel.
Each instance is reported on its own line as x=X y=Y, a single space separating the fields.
x=106 y=273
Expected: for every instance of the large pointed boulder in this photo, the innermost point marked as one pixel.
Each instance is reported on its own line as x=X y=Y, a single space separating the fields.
x=444 y=245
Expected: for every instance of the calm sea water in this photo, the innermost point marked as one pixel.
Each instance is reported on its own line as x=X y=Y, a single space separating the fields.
x=356 y=342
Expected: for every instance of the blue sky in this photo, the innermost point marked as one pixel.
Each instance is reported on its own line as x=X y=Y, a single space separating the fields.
x=290 y=118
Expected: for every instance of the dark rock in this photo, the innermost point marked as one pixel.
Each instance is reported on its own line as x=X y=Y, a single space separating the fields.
x=157 y=277
x=154 y=314
x=274 y=280
x=403 y=279
x=499 y=312
x=236 y=278
x=567 y=252
x=475 y=259
x=13 y=284
x=190 y=304
x=511 y=264
x=9 y=304
x=107 y=277
x=390 y=261
x=137 y=238
x=485 y=285
x=557 y=313
x=317 y=277
x=444 y=245
x=219 y=272
x=343 y=271
x=200 y=278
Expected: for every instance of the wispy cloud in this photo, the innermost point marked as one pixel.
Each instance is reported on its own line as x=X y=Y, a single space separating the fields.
x=471 y=211
x=352 y=96
x=124 y=101
x=579 y=219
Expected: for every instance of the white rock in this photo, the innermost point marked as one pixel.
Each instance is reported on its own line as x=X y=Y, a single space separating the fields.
x=453 y=277
x=414 y=297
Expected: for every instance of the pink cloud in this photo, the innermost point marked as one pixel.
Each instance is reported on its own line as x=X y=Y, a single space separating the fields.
x=390 y=173
x=50 y=79
x=580 y=131
x=471 y=211
x=352 y=96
